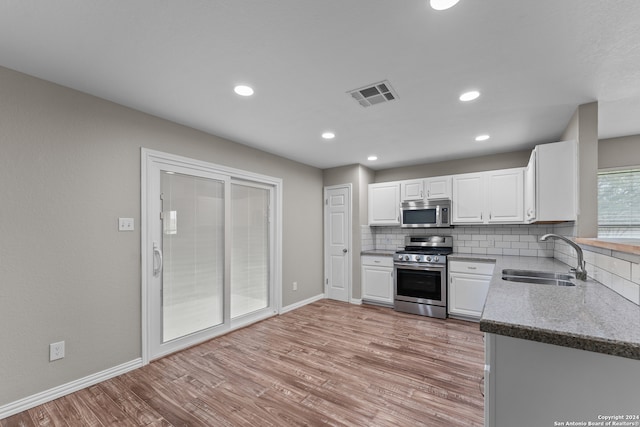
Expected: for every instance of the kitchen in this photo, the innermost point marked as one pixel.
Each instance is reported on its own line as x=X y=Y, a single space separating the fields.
x=71 y=166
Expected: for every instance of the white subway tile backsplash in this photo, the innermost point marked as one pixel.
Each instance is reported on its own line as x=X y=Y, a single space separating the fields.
x=627 y=289
x=528 y=252
x=485 y=239
x=545 y=253
x=635 y=273
x=503 y=231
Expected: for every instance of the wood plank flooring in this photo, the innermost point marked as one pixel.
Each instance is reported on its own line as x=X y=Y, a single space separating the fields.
x=328 y=363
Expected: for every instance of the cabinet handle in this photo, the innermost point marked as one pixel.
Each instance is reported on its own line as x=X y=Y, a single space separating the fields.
x=472 y=268
x=377 y=262
x=481 y=216
x=489 y=215
x=428 y=193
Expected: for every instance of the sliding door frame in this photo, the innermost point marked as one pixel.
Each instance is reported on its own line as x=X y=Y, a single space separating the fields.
x=149 y=158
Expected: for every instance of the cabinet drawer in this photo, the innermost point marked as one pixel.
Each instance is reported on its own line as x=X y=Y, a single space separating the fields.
x=379 y=261
x=484 y=268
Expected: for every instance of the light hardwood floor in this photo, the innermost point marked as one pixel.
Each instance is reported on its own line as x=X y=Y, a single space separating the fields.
x=328 y=363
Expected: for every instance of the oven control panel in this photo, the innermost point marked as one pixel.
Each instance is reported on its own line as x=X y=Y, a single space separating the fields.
x=420 y=258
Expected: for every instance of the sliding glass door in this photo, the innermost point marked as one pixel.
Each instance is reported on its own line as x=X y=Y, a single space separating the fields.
x=250 y=248
x=209 y=246
x=193 y=250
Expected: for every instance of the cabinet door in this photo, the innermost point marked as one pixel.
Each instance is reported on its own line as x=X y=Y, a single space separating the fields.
x=377 y=284
x=384 y=204
x=468 y=199
x=438 y=187
x=412 y=190
x=530 y=189
x=467 y=293
x=505 y=200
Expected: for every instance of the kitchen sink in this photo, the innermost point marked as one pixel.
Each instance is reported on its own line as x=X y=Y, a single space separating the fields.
x=537 y=277
x=538 y=280
x=539 y=274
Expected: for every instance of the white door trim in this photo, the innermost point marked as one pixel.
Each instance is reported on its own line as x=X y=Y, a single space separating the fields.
x=349 y=187
x=148 y=157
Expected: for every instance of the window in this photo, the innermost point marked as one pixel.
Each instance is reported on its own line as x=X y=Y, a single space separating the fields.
x=619 y=203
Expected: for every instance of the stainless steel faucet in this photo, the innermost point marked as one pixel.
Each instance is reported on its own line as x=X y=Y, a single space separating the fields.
x=580 y=270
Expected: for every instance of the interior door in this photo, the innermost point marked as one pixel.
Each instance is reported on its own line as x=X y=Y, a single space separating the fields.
x=338 y=242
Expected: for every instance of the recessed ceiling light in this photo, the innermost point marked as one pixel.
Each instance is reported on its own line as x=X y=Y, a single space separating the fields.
x=443 y=4
x=482 y=137
x=328 y=135
x=372 y=158
x=243 y=90
x=469 y=96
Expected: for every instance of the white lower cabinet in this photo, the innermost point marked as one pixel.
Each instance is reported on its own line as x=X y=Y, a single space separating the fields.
x=377 y=279
x=533 y=384
x=468 y=287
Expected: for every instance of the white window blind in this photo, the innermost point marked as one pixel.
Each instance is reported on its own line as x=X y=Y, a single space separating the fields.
x=619 y=204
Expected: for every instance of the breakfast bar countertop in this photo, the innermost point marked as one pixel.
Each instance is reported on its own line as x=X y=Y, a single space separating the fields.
x=588 y=316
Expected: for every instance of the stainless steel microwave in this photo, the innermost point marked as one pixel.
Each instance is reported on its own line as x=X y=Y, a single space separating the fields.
x=425 y=214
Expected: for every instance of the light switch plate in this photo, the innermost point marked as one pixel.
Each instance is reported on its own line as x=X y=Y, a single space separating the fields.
x=125 y=224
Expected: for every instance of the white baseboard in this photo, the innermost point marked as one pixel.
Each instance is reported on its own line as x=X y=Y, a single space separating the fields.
x=357 y=301
x=302 y=303
x=68 y=388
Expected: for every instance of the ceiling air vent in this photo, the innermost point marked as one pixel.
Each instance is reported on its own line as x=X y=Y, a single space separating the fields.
x=375 y=93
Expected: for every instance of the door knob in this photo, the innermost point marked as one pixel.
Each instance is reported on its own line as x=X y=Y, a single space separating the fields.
x=344 y=250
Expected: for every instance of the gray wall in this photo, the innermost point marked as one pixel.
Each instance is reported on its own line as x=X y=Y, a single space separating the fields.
x=583 y=127
x=69 y=167
x=514 y=159
x=619 y=152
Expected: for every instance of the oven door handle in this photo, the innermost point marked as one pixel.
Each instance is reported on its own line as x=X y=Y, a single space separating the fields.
x=409 y=266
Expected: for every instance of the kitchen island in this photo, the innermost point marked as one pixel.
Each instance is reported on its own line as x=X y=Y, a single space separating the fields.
x=558 y=354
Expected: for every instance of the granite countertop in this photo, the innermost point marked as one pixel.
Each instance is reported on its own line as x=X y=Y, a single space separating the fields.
x=588 y=316
x=378 y=252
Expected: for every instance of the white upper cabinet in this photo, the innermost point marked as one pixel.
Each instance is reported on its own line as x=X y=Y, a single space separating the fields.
x=551 y=185
x=438 y=187
x=530 y=189
x=384 y=203
x=505 y=199
x=468 y=198
x=494 y=197
x=412 y=189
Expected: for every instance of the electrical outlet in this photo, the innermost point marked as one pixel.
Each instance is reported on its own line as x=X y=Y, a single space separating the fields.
x=56 y=351
x=125 y=224
x=295 y=286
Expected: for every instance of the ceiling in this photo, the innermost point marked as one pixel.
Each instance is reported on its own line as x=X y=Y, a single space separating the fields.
x=534 y=62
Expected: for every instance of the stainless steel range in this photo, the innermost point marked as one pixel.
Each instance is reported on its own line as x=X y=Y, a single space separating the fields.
x=420 y=275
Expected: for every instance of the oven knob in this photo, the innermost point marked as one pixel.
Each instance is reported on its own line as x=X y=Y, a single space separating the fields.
x=428 y=259
x=407 y=257
x=435 y=259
